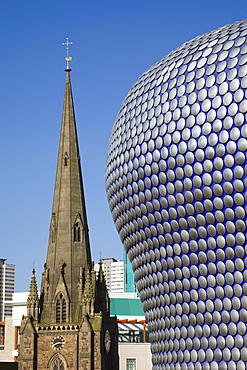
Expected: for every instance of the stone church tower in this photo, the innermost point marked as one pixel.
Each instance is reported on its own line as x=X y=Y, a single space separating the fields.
x=69 y=326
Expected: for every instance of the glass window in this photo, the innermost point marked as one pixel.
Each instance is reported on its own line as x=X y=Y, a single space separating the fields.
x=58 y=364
x=58 y=311
x=61 y=311
x=130 y=364
x=77 y=233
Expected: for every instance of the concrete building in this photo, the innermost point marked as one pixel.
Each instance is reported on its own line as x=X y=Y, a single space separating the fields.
x=7 y=341
x=10 y=327
x=114 y=274
x=7 y=286
x=134 y=357
x=129 y=282
x=19 y=307
x=119 y=275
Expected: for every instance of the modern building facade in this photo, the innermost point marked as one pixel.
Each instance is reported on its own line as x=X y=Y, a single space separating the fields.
x=176 y=184
x=7 y=287
x=129 y=280
x=119 y=274
x=69 y=325
x=114 y=274
x=7 y=344
x=133 y=336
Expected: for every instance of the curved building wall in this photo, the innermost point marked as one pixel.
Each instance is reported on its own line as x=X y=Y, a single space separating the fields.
x=176 y=184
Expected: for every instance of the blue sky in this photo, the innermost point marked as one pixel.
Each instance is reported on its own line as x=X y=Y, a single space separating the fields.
x=114 y=42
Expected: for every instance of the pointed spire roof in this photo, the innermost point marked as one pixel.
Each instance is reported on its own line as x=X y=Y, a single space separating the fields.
x=89 y=288
x=33 y=297
x=102 y=296
x=101 y=274
x=68 y=240
x=69 y=195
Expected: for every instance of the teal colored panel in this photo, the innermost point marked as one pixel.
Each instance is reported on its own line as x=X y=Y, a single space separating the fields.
x=126 y=306
x=129 y=283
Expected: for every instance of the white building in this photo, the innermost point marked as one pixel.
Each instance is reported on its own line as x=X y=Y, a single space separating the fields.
x=114 y=274
x=135 y=356
x=19 y=307
x=7 y=287
x=133 y=347
x=9 y=340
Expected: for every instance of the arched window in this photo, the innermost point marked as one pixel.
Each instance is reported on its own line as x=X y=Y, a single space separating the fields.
x=66 y=157
x=58 y=311
x=77 y=233
x=53 y=227
x=61 y=309
x=57 y=363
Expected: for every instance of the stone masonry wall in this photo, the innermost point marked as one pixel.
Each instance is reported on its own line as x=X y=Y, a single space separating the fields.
x=97 y=351
x=68 y=352
x=85 y=341
x=27 y=348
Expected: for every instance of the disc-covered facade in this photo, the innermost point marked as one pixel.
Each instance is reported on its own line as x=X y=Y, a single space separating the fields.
x=176 y=184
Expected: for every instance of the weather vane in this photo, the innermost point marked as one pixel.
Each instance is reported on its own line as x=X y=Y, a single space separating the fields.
x=67 y=58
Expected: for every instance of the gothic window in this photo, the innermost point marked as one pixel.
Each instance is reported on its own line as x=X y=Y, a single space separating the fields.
x=53 y=228
x=61 y=309
x=77 y=233
x=58 y=312
x=58 y=364
x=66 y=159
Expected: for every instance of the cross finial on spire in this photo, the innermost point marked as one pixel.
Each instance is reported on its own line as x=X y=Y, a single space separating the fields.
x=67 y=58
x=100 y=255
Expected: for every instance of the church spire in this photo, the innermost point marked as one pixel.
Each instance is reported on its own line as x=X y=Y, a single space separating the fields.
x=33 y=298
x=68 y=249
x=102 y=296
x=72 y=317
x=88 y=299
